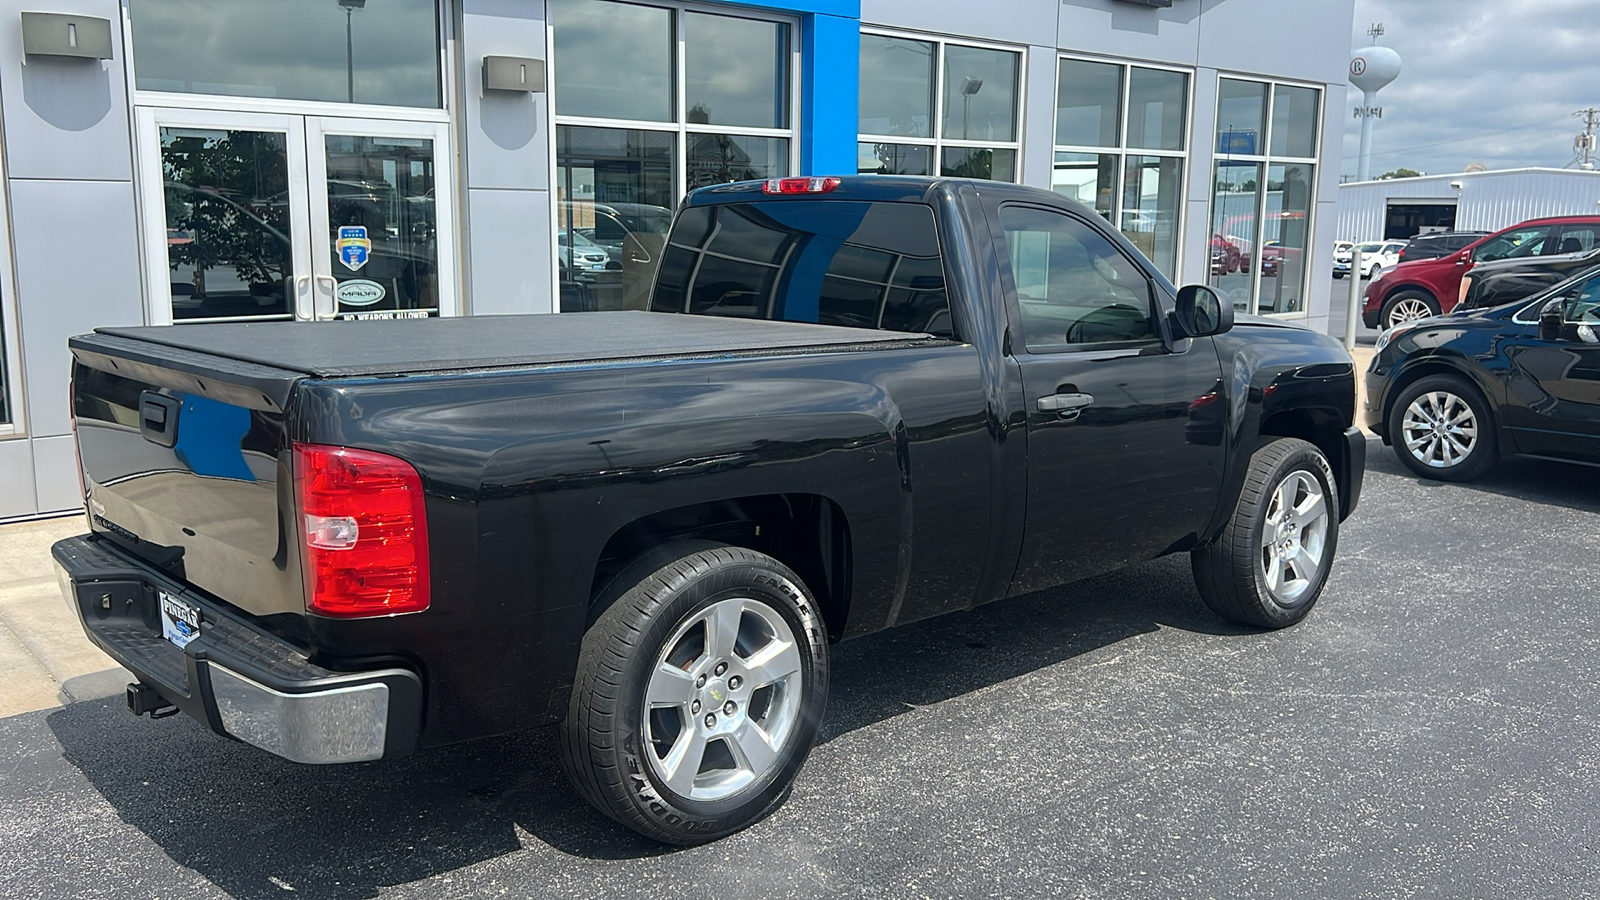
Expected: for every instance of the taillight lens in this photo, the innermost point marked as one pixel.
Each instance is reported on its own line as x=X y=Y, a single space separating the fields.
x=363 y=532
x=818 y=185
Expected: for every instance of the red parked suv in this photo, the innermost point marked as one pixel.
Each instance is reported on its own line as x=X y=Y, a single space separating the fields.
x=1428 y=287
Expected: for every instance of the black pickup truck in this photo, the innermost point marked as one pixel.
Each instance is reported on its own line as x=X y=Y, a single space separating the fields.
x=853 y=403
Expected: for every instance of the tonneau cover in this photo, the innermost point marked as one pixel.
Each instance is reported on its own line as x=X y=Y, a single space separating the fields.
x=415 y=346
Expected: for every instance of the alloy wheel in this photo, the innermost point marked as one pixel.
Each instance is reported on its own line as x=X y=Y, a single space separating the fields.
x=722 y=699
x=1439 y=430
x=1294 y=537
x=1409 y=309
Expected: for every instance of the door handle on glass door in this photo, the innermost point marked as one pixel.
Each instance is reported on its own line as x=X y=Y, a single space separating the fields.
x=331 y=306
x=304 y=308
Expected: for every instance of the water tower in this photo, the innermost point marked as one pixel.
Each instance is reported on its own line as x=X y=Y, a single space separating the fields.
x=1371 y=69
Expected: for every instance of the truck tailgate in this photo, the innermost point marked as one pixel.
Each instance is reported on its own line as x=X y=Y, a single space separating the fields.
x=187 y=464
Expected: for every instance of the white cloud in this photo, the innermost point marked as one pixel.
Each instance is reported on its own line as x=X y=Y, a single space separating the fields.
x=1483 y=81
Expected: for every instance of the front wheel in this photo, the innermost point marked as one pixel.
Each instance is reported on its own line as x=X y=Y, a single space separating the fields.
x=1441 y=428
x=1407 y=306
x=698 y=695
x=1270 y=564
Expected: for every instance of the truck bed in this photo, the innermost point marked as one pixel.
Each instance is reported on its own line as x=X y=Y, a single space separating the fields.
x=419 y=346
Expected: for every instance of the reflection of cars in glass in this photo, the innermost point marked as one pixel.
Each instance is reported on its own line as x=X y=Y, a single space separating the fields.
x=1453 y=393
x=1225 y=256
x=1437 y=244
x=580 y=253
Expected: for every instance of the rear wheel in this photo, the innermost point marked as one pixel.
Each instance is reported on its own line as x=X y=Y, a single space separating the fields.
x=1441 y=428
x=1270 y=564
x=1407 y=306
x=698 y=693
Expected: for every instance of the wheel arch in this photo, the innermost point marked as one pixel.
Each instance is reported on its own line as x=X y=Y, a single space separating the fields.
x=1423 y=368
x=1322 y=427
x=809 y=533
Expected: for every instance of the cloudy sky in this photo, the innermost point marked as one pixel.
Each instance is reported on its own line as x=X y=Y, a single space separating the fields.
x=1485 y=81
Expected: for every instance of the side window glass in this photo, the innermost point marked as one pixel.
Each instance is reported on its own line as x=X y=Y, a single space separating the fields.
x=1577 y=239
x=1524 y=242
x=1073 y=285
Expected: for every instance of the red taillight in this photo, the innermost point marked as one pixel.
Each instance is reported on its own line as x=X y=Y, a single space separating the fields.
x=818 y=185
x=363 y=532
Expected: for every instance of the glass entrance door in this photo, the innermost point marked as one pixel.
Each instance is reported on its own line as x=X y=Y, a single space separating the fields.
x=267 y=217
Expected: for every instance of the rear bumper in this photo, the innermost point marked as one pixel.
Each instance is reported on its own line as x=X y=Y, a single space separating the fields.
x=235 y=678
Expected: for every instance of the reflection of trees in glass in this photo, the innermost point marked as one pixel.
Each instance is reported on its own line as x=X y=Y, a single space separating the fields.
x=227 y=205
x=900 y=159
x=719 y=159
x=975 y=164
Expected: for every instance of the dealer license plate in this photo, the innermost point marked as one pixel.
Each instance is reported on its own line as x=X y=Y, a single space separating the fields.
x=180 y=621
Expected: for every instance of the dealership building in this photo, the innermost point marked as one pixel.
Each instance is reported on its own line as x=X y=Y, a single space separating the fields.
x=179 y=161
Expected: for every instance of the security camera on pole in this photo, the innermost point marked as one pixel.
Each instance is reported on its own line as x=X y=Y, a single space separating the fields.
x=1371 y=69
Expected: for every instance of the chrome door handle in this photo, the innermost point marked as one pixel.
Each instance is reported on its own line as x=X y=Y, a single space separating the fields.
x=1064 y=403
x=302 y=294
x=331 y=306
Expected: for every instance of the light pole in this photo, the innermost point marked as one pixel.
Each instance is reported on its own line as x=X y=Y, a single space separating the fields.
x=969 y=86
x=350 y=6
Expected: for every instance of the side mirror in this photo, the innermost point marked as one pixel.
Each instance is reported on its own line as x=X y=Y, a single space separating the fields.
x=1201 y=311
x=1552 y=319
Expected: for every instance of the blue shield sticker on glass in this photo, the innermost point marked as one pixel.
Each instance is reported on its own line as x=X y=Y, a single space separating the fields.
x=353 y=246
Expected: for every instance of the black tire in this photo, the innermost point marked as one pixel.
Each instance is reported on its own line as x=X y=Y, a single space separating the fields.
x=609 y=743
x=1232 y=572
x=1404 y=305
x=1483 y=451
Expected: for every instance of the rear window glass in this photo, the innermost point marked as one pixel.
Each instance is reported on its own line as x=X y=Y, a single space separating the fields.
x=831 y=262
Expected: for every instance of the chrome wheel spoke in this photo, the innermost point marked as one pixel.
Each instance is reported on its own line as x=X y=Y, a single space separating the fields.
x=722 y=628
x=773 y=663
x=1310 y=510
x=752 y=750
x=683 y=762
x=669 y=686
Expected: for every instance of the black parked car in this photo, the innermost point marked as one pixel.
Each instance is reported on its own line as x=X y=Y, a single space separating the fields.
x=1509 y=280
x=1442 y=243
x=1453 y=394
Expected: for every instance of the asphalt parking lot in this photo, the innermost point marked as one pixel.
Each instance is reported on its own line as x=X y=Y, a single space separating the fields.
x=1431 y=731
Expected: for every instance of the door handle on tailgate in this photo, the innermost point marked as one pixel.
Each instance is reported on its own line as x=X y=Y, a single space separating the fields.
x=158 y=418
x=1068 y=405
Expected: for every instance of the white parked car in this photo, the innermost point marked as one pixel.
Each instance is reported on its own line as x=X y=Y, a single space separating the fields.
x=1375 y=257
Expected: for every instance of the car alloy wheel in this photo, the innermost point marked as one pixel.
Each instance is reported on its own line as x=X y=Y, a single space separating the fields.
x=1294 y=537
x=722 y=699
x=1409 y=309
x=1440 y=430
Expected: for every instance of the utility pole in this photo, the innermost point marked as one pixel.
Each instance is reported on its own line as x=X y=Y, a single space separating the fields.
x=1585 y=143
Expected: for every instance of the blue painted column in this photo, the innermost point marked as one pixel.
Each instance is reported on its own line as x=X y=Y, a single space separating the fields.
x=830 y=78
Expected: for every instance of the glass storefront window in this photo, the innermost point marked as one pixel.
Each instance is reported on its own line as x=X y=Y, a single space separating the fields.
x=736 y=71
x=1158 y=104
x=1088 y=104
x=1286 y=237
x=970 y=130
x=896 y=87
x=989 y=164
x=616 y=191
x=1089 y=178
x=980 y=94
x=893 y=159
x=5 y=377
x=385 y=185
x=613 y=60
x=229 y=238
x=1264 y=193
x=1294 y=121
x=1235 y=205
x=347 y=51
x=1241 y=117
x=1151 y=191
x=721 y=158
x=1120 y=149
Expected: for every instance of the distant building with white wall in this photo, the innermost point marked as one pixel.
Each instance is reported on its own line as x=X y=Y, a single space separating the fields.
x=1402 y=208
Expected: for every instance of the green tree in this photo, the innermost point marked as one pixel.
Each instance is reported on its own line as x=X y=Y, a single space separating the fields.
x=1401 y=172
